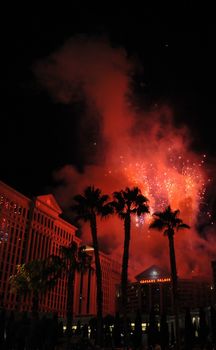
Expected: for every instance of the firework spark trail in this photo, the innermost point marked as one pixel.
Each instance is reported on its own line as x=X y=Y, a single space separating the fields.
x=176 y=181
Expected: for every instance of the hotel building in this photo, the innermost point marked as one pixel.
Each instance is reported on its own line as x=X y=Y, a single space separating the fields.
x=153 y=291
x=32 y=229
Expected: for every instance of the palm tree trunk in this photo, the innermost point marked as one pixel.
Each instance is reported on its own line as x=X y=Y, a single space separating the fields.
x=124 y=276
x=70 y=298
x=99 y=335
x=174 y=287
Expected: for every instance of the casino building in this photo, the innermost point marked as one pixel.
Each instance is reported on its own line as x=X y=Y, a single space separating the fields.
x=153 y=291
x=33 y=229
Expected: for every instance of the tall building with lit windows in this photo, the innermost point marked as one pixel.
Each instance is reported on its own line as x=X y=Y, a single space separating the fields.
x=32 y=229
x=86 y=293
x=153 y=291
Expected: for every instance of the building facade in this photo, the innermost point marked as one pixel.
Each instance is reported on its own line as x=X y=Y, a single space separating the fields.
x=86 y=294
x=32 y=229
x=153 y=292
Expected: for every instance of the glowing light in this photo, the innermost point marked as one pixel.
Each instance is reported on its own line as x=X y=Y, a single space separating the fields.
x=154 y=273
x=157 y=280
x=173 y=180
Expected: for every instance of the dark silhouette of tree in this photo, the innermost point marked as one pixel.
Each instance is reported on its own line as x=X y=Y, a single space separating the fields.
x=36 y=277
x=189 y=334
x=169 y=221
x=126 y=203
x=74 y=259
x=164 y=332
x=88 y=206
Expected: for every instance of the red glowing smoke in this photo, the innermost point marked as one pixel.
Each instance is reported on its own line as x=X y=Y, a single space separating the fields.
x=142 y=149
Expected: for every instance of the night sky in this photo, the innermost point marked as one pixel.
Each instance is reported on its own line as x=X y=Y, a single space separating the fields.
x=174 y=47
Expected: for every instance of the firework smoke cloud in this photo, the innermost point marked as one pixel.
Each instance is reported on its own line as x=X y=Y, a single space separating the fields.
x=142 y=149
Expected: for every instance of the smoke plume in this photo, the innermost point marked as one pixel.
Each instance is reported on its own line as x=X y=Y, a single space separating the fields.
x=142 y=149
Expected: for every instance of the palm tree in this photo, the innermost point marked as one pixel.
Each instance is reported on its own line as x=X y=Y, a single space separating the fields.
x=88 y=206
x=126 y=203
x=36 y=277
x=169 y=221
x=74 y=259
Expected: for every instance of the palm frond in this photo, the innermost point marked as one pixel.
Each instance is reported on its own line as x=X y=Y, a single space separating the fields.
x=168 y=219
x=176 y=212
x=169 y=232
x=182 y=226
x=142 y=209
x=106 y=210
x=121 y=215
x=91 y=202
x=158 y=224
